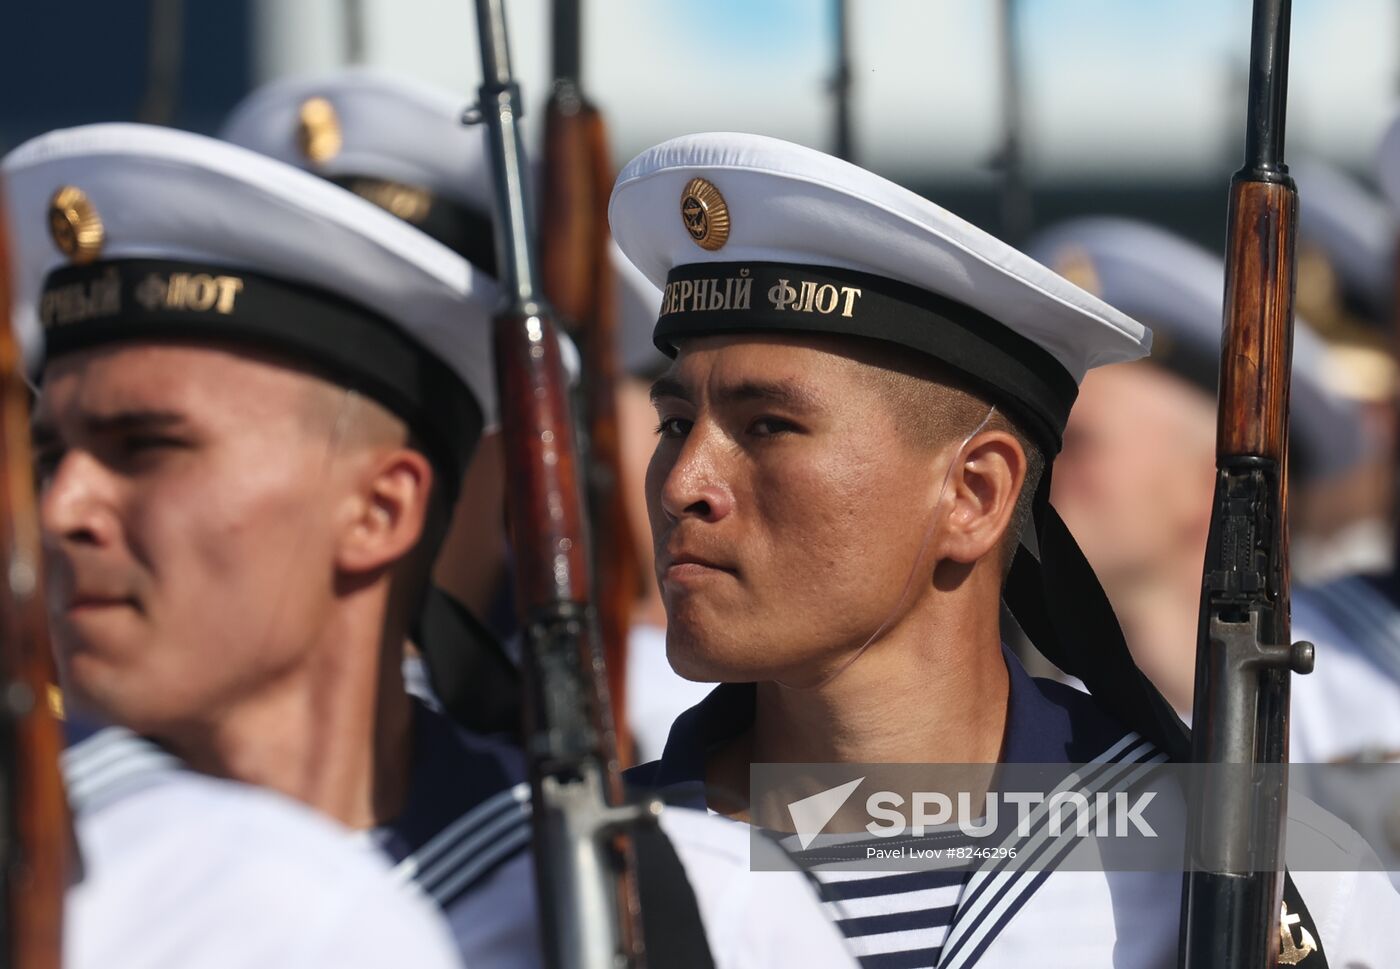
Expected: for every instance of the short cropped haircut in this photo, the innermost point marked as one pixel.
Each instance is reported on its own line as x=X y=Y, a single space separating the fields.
x=936 y=405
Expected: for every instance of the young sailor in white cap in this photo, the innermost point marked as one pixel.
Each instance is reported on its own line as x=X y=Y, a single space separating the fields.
x=401 y=144
x=258 y=396
x=865 y=399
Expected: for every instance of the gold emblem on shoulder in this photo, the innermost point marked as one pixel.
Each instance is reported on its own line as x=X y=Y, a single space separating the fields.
x=75 y=225
x=1293 y=951
x=318 y=131
x=705 y=214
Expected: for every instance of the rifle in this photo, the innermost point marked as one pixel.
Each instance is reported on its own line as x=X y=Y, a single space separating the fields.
x=585 y=870
x=578 y=282
x=1010 y=159
x=164 y=58
x=1234 y=886
x=36 y=829
x=353 y=13
x=843 y=140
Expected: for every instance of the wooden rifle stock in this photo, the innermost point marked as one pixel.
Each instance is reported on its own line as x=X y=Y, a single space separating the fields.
x=37 y=832
x=585 y=866
x=578 y=281
x=1258 y=341
x=1244 y=655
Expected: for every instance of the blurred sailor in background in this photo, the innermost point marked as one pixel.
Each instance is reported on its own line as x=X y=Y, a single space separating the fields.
x=1346 y=241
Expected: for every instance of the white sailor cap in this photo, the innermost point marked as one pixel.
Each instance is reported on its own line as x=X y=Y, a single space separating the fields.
x=638 y=306
x=399 y=143
x=132 y=232
x=1387 y=168
x=1178 y=289
x=402 y=144
x=747 y=233
x=1354 y=229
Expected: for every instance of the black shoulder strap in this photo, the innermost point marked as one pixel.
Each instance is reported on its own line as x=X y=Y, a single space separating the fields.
x=674 y=933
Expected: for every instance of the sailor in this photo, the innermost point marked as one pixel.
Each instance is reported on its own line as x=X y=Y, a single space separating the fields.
x=179 y=869
x=1136 y=477
x=259 y=393
x=1364 y=607
x=1346 y=245
x=1136 y=482
x=864 y=402
x=401 y=144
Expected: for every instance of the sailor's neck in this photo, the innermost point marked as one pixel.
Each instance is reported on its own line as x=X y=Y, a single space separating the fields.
x=928 y=693
x=334 y=733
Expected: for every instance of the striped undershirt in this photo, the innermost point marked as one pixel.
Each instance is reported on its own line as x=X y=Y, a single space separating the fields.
x=892 y=920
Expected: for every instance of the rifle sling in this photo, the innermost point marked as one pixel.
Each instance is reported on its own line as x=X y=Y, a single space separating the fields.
x=674 y=933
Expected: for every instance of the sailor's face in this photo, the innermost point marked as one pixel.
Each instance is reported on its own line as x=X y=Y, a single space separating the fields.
x=1134 y=480
x=186 y=543
x=787 y=510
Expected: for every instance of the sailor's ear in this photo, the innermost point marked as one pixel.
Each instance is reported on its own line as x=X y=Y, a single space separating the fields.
x=388 y=512
x=984 y=484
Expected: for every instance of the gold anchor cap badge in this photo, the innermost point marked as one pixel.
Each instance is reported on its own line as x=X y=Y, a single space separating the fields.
x=75 y=225
x=318 y=130
x=705 y=214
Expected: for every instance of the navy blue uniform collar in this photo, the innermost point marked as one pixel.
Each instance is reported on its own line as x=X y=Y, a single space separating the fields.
x=1046 y=723
x=453 y=771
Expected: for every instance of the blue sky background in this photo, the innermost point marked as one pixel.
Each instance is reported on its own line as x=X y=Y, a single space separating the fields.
x=1133 y=88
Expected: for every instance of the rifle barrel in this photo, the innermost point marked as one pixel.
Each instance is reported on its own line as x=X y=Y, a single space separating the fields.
x=1268 y=91
x=841 y=83
x=589 y=907
x=1244 y=654
x=566 y=33
x=500 y=101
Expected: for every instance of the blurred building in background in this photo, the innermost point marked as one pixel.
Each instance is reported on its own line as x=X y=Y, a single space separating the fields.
x=1128 y=106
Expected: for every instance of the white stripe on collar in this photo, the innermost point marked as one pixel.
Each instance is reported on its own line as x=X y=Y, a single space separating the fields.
x=109 y=763
x=994 y=894
x=454 y=849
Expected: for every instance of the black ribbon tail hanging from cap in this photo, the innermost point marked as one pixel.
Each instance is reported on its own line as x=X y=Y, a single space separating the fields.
x=1060 y=605
x=474 y=679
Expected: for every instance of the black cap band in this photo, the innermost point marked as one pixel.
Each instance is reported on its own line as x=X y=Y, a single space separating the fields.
x=706 y=299
x=144 y=299
x=465 y=230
